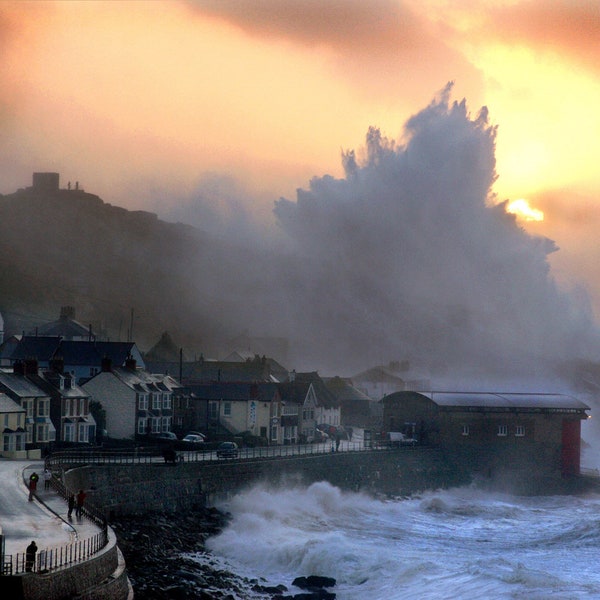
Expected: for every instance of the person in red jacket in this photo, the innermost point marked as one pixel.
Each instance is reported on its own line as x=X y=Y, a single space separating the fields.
x=81 y=495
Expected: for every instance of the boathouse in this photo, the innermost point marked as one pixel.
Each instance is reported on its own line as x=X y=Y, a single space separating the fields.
x=494 y=433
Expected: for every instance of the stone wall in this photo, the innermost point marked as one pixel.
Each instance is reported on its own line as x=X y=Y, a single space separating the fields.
x=131 y=489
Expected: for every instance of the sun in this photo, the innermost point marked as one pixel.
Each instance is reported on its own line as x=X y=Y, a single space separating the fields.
x=523 y=210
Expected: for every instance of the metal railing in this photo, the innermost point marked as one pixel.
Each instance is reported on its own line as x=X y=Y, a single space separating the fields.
x=56 y=557
x=157 y=455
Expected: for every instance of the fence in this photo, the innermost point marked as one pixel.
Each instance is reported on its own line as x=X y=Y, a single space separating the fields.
x=55 y=558
x=158 y=454
x=60 y=556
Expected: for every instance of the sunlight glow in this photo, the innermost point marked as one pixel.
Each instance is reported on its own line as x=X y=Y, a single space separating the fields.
x=523 y=210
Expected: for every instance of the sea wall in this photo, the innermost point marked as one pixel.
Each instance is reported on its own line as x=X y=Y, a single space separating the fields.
x=102 y=577
x=135 y=489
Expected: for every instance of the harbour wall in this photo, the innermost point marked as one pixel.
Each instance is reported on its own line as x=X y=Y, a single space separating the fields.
x=136 y=489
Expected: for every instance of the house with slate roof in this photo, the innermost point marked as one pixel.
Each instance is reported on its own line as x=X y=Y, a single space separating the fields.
x=378 y=382
x=318 y=406
x=39 y=429
x=537 y=435
x=69 y=403
x=83 y=359
x=41 y=349
x=242 y=407
x=356 y=408
x=137 y=403
x=66 y=327
x=12 y=420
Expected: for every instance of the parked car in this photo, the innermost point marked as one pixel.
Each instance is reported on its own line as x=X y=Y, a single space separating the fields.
x=227 y=450
x=193 y=439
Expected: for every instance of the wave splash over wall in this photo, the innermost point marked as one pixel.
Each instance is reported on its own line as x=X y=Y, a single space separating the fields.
x=411 y=255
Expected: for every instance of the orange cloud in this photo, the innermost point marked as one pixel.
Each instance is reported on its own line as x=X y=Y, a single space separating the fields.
x=378 y=45
x=564 y=27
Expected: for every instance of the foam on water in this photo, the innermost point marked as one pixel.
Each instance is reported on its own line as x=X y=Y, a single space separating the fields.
x=462 y=543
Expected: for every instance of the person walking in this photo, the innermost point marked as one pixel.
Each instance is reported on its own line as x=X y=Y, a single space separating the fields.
x=47 y=478
x=81 y=495
x=71 y=505
x=30 y=553
x=33 y=479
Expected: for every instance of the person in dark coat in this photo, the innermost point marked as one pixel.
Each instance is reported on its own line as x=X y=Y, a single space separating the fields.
x=30 y=553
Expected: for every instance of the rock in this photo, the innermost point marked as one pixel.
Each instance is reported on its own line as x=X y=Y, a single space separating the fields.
x=313 y=581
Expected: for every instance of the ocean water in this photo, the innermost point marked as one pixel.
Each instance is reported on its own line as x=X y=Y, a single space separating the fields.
x=459 y=543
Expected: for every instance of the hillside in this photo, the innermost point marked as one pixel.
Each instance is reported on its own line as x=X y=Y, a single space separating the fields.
x=68 y=247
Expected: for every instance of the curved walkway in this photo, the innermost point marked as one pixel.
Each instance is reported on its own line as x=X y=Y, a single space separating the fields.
x=43 y=520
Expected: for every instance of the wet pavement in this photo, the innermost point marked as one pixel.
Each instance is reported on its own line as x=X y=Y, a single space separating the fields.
x=44 y=519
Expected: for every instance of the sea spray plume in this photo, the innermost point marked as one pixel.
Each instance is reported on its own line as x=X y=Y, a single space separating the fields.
x=408 y=256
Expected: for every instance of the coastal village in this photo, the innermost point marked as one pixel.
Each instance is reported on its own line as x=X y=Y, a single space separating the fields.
x=61 y=387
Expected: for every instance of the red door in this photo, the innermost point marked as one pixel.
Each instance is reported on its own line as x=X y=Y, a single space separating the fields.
x=571 y=447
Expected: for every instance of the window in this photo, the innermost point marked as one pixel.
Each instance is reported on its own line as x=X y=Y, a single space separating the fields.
x=502 y=430
x=227 y=409
x=41 y=432
x=155 y=401
x=155 y=423
x=43 y=407
x=274 y=433
x=166 y=401
x=69 y=432
x=213 y=411
x=166 y=424
x=465 y=430
x=520 y=430
x=142 y=402
x=29 y=433
x=84 y=433
x=28 y=406
x=141 y=425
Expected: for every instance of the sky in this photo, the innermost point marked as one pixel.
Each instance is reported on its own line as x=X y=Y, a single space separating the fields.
x=211 y=112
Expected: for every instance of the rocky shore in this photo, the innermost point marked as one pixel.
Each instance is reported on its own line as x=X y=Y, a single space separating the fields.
x=153 y=544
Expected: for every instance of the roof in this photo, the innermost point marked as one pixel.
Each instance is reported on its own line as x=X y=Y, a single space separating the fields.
x=78 y=352
x=296 y=390
x=41 y=348
x=20 y=386
x=141 y=380
x=502 y=400
x=9 y=406
x=49 y=381
x=65 y=327
x=379 y=374
x=263 y=392
x=343 y=390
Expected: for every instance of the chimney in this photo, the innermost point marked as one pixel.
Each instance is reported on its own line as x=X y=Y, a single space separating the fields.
x=67 y=312
x=292 y=376
x=106 y=364
x=18 y=367
x=57 y=364
x=30 y=367
x=130 y=363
